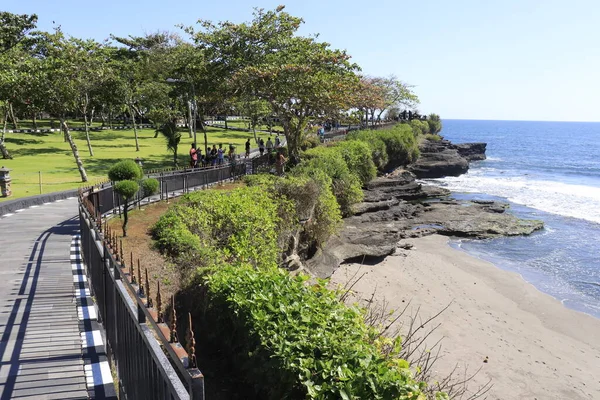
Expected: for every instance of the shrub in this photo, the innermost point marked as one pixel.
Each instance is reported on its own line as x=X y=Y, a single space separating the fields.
x=294 y=340
x=237 y=227
x=435 y=138
x=345 y=185
x=435 y=124
x=127 y=189
x=377 y=146
x=310 y=142
x=312 y=199
x=172 y=235
x=359 y=159
x=419 y=127
x=150 y=187
x=401 y=145
x=125 y=170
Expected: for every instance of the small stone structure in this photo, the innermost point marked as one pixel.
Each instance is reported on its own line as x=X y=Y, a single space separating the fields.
x=5 y=182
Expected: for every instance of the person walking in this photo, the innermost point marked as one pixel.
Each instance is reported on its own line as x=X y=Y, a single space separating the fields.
x=193 y=156
x=261 y=146
x=269 y=145
x=213 y=155
x=277 y=142
x=248 y=148
x=279 y=162
x=220 y=154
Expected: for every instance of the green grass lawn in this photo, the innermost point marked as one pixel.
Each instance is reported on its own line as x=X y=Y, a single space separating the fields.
x=48 y=153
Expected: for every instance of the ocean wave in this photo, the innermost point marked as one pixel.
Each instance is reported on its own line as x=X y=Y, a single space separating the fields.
x=569 y=200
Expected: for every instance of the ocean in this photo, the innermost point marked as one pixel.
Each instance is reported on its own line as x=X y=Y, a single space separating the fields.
x=548 y=171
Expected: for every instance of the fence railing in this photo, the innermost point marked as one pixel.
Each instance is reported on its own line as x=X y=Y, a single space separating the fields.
x=142 y=343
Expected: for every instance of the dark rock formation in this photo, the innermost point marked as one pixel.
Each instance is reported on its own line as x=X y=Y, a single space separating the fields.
x=471 y=151
x=390 y=213
x=442 y=158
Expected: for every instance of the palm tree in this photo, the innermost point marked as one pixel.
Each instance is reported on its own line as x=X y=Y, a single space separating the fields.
x=173 y=136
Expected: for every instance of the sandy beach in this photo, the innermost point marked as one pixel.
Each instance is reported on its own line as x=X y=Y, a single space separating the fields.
x=536 y=348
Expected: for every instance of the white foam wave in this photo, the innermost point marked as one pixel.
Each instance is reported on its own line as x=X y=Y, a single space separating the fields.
x=570 y=200
x=493 y=159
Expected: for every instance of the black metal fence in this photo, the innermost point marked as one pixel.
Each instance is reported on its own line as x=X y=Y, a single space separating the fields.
x=142 y=346
x=104 y=199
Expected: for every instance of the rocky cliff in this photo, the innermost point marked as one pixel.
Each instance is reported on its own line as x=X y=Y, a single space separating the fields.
x=396 y=207
x=443 y=158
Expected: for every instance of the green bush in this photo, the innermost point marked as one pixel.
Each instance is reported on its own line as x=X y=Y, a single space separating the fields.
x=345 y=185
x=378 y=149
x=172 y=235
x=313 y=202
x=310 y=142
x=238 y=227
x=401 y=145
x=435 y=138
x=359 y=159
x=150 y=187
x=293 y=340
x=435 y=124
x=127 y=189
x=125 y=170
x=419 y=127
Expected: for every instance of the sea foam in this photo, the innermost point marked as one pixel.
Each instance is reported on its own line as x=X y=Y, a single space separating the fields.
x=570 y=200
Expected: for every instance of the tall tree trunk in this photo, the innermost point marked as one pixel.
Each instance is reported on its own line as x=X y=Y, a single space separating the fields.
x=125 y=218
x=12 y=116
x=175 y=157
x=226 y=127
x=87 y=135
x=254 y=132
x=205 y=137
x=34 y=118
x=190 y=122
x=5 y=154
x=65 y=128
x=137 y=145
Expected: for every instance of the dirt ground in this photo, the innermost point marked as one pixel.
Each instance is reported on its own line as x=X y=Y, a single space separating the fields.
x=140 y=243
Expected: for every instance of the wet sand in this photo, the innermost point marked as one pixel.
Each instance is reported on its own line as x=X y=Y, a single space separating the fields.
x=536 y=348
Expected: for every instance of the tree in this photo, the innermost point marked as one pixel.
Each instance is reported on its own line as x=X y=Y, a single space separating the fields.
x=299 y=77
x=13 y=29
x=173 y=137
x=395 y=93
x=57 y=62
x=126 y=175
x=255 y=110
x=92 y=72
x=367 y=98
x=144 y=68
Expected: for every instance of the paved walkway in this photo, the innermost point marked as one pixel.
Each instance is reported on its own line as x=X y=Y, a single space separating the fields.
x=40 y=349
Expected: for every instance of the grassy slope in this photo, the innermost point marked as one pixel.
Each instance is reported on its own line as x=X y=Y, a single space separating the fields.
x=48 y=153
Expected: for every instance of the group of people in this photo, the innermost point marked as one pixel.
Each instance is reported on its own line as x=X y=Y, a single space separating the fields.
x=269 y=146
x=215 y=156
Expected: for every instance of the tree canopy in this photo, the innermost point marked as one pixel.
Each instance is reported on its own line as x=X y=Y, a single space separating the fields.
x=262 y=69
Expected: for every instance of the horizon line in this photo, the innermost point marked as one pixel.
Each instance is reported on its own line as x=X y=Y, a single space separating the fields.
x=514 y=120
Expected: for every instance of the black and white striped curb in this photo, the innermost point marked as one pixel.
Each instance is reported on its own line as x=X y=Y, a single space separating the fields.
x=98 y=375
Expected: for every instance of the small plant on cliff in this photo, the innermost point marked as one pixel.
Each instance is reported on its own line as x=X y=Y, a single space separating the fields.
x=125 y=174
x=345 y=184
x=435 y=124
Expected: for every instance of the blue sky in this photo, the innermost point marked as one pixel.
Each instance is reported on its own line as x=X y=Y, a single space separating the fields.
x=516 y=60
